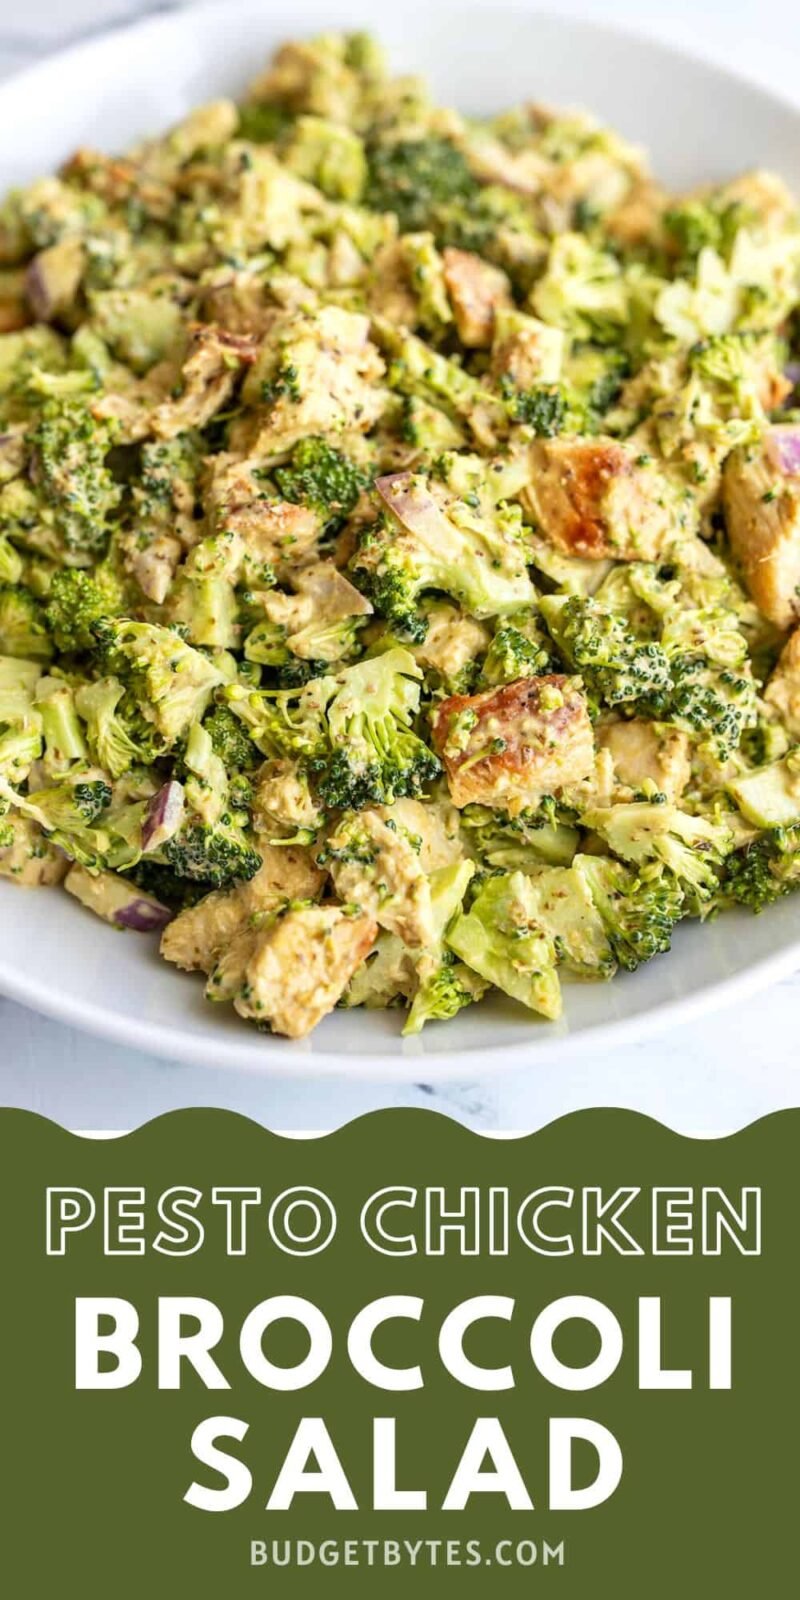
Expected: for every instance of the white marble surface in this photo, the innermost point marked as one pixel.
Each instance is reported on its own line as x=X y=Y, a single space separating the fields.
x=708 y=1078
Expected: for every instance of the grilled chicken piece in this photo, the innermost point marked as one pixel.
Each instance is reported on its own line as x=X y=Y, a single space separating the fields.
x=209 y=373
x=300 y=965
x=205 y=381
x=374 y=865
x=196 y=937
x=525 y=351
x=435 y=826
x=273 y=531
x=320 y=374
x=761 y=487
x=29 y=858
x=509 y=747
x=598 y=498
x=641 y=754
x=452 y=641
x=783 y=690
x=283 y=803
x=476 y=290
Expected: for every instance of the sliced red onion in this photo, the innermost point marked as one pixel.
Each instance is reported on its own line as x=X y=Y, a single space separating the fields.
x=409 y=497
x=163 y=816
x=784 y=447
x=143 y=914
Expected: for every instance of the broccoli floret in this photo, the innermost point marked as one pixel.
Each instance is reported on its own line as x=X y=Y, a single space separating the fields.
x=691 y=848
x=501 y=939
x=765 y=870
x=262 y=121
x=451 y=533
x=170 y=682
x=23 y=629
x=284 y=722
x=639 y=909
x=517 y=650
x=72 y=805
x=715 y=702
x=422 y=372
x=165 y=885
x=604 y=373
x=697 y=225
x=324 y=479
x=320 y=642
x=428 y=185
x=764 y=742
x=494 y=222
x=69 y=470
x=76 y=601
x=216 y=853
x=617 y=667
x=351 y=730
x=449 y=988
x=376 y=757
x=542 y=407
x=118 y=742
x=167 y=482
x=392 y=583
x=71 y=813
x=414 y=178
x=211 y=845
x=230 y=739
x=711 y=690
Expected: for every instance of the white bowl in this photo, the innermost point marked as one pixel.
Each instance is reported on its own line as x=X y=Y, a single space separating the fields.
x=698 y=123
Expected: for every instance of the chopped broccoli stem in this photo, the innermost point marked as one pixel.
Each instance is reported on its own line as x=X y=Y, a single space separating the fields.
x=11 y=563
x=502 y=940
x=63 y=735
x=23 y=630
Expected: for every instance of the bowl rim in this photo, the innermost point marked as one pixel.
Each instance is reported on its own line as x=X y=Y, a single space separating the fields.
x=272 y=1057
x=284 y=1057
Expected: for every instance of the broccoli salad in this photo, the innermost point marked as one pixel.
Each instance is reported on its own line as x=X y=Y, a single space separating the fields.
x=399 y=546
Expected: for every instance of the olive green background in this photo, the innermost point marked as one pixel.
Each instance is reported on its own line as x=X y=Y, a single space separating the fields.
x=93 y=1483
